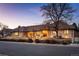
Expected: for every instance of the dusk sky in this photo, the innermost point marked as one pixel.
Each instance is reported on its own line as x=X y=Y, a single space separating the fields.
x=13 y=15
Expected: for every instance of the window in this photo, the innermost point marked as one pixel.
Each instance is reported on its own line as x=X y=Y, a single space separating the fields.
x=66 y=34
x=38 y=35
x=16 y=33
x=45 y=33
x=30 y=34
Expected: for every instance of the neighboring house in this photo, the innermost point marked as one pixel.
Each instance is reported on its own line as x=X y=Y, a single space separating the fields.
x=5 y=32
x=46 y=31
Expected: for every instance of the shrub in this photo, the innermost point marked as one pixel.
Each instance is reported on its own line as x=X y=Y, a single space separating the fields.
x=21 y=40
x=37 y=41
x=47 y=41
x=66 y=42
x=77 y=42
x=30 y=40
x=42 y=41
x=53 y=41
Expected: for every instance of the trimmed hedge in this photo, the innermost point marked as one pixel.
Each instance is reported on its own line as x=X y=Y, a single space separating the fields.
x=30 y=40
x=53 y=42
x=17 y=40
x=39 y=41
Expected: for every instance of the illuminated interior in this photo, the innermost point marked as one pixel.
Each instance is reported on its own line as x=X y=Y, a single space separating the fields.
x=30 y=34
x=16 y=33
x=45 y=34
x=66 y=34
x=53 y=34
x=38 y=35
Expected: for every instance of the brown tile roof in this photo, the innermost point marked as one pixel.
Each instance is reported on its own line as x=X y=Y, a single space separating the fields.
x=62 y=26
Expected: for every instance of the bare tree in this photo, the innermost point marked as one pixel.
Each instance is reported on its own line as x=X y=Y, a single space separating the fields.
x=3 y=28
x=57 y=12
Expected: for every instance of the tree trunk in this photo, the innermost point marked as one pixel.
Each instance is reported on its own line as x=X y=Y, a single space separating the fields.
x=18 y=30
x=56 y=33
x=56 y=28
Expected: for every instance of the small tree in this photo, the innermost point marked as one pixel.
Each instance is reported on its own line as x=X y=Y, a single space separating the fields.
x=3 y=31
x=75 y=25
x=19 y=30
x=57 y=12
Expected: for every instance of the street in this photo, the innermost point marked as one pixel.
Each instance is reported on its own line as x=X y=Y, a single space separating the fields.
x=37 y=49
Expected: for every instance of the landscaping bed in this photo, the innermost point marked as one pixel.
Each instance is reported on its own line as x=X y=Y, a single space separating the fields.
x=52 y=41
x=17 y=40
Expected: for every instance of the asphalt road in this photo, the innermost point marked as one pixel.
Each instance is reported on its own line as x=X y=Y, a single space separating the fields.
x=32 y=49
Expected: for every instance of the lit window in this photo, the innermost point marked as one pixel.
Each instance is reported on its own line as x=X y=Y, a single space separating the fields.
x=66 y=36
x=54 y=33
x=38 y=35
x=16 y=33
x=66 y=32
x=30 y=34
x=45 y=33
